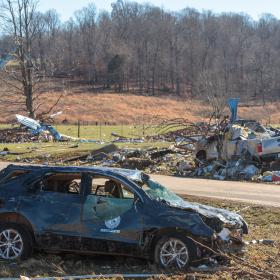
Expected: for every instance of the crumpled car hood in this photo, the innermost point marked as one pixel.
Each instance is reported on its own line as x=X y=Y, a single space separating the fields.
x=210 y=215
x=228 y=218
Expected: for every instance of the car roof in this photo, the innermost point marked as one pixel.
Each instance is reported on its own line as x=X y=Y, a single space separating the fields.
x=134 y=175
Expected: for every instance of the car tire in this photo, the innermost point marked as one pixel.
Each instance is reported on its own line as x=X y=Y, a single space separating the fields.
x=175 y=251
x=15 y=242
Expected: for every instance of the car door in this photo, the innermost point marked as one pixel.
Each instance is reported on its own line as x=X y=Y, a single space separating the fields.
x=113 y=222
x=54 y=210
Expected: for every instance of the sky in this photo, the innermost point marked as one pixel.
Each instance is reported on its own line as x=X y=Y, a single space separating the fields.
x=255 y=8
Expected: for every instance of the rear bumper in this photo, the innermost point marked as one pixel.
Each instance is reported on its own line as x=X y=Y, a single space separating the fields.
x=269 y=157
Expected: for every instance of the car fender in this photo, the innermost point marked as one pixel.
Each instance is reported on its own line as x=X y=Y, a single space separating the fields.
x=189 y=222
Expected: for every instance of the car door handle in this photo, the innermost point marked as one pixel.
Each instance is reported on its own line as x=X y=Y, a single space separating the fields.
x=100 y=201
x=36 y=197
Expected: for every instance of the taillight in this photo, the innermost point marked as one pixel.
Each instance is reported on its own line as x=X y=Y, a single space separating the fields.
x=259 y=148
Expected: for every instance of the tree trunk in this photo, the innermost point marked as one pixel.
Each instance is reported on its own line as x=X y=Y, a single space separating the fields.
x=29 y=101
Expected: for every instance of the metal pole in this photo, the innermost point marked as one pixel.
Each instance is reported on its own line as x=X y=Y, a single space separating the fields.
x=78 y=129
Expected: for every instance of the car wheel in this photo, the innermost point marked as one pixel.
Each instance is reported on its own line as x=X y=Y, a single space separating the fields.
x=15 y=242
x=175 y=251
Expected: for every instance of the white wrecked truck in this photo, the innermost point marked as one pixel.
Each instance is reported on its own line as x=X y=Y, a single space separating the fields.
x=242 y=137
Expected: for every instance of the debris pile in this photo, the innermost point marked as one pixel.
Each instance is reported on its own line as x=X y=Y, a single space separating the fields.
x=17 y=135
x=121 y=139
x=268 y=176
x=169 y=161
x=233 y=170
x=233 y=149
x=171 y=131
x=174 y=161
x=31 y=130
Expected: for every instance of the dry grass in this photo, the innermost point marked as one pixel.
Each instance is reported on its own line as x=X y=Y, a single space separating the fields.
x=82 y=102
x=125 y=108
x=134 y=109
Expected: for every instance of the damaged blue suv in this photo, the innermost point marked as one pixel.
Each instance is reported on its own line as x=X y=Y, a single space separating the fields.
x=107 y=211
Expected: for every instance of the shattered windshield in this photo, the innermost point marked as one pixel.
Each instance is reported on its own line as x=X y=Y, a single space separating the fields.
x=156 y=191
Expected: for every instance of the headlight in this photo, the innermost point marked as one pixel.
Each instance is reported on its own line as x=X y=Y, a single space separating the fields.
x=226 y=234
x=237 y=234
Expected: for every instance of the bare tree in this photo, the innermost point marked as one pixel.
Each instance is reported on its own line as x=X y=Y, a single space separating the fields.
x=157 y=51
x=213 y=86
x=20 y=21
x=26 y=28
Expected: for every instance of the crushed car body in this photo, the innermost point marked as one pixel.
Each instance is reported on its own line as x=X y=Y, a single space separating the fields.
x=98 y=210
x=261 y=143
x=237 y=137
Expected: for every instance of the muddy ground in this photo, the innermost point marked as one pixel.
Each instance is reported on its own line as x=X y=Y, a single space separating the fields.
x=258 y=262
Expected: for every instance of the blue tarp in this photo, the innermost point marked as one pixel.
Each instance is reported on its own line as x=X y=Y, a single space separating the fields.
x=233 y=106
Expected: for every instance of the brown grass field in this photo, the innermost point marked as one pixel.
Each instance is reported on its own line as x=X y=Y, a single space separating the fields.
x=81 y=102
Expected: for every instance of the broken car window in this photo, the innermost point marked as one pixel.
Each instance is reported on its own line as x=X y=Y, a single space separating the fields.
x=15 y=174
x=158 y=192
x=108 y=199
x=102 y=186
x=61 y=182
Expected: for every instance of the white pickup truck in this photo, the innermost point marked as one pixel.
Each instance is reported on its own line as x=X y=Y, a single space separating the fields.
x=262 y=144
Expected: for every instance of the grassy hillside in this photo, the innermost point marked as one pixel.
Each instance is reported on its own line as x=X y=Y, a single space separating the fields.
x=80 y=102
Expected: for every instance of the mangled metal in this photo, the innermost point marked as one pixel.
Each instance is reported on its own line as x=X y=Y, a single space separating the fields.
x=239 y=149
x=105 y=210
x=48 y=131
x=238 y=141
x=238 y=137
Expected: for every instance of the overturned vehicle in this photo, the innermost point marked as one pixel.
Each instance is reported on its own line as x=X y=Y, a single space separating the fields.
x=107 y=211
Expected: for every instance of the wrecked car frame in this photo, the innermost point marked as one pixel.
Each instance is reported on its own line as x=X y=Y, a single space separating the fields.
x=241 y=137
x=106 y=211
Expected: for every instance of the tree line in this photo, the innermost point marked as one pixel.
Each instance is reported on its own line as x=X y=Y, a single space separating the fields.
x=146 y=49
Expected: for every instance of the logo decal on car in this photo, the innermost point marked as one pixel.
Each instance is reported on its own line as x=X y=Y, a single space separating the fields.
x=113 y=223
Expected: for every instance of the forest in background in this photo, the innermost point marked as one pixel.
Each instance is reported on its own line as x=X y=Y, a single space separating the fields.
x=147 y=50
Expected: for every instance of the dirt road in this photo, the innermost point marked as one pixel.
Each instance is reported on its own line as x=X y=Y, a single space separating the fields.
x=262 y=194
